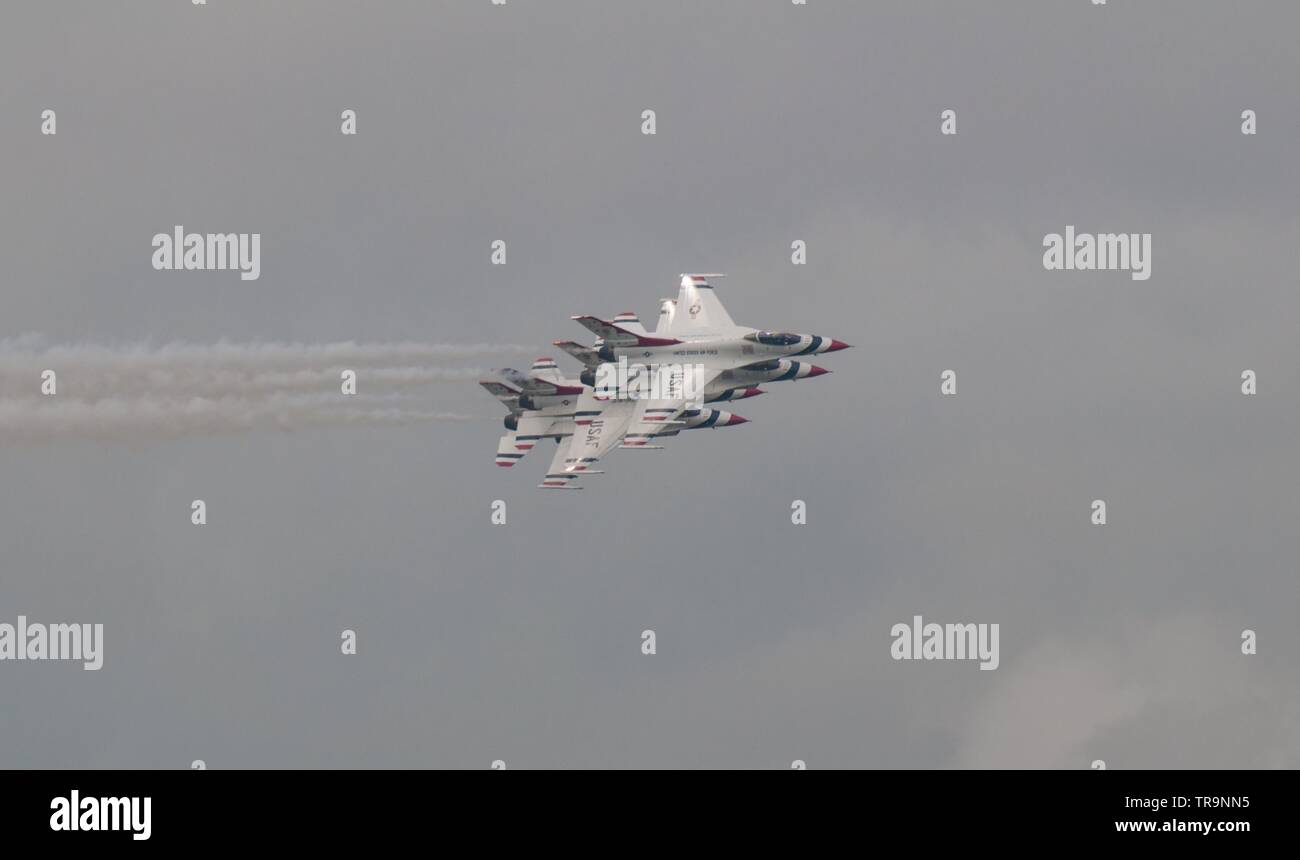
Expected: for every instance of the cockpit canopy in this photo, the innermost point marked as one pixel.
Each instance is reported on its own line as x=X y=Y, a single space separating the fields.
x=773 y=338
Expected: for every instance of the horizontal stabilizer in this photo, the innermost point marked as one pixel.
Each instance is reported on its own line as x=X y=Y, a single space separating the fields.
x=585 y=354
x=533 y=385
x=617 y=335
x=504 y=393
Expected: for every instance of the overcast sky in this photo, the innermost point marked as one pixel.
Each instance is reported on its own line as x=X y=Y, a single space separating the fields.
x=774 y=123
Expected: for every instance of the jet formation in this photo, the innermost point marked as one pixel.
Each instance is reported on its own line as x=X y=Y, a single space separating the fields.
x=638 y=386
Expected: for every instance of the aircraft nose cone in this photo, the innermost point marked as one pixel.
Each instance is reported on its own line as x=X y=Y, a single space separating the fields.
x=736 y=419
x=837 y=345
x=817 y=371
x=754 y=392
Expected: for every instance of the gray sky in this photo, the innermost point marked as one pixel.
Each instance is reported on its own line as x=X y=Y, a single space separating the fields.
x=775 y=123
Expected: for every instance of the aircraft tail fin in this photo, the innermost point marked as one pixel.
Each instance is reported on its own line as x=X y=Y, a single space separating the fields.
x=629 y=321
x=698 y=310
x=546 y=370
x=667 y=310
x=507 y=453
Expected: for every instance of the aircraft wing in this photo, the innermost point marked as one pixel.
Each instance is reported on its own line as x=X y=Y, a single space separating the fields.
x=556 y=477
x=602 y=425
x=653 y=418
x=599 y=427
x=663 y=417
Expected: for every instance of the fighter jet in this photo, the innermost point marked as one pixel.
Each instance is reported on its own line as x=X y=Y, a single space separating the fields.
x=640 y=385
x=541 y=405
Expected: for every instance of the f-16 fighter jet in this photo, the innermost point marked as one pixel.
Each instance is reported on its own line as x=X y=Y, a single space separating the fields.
x=541 y=405
x=639 y=385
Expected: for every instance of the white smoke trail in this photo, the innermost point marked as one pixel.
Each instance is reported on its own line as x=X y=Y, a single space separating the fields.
x=27 y=354
x=141 y=418
x=177 y=389
x=92 y=382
